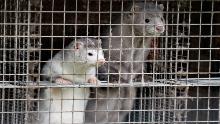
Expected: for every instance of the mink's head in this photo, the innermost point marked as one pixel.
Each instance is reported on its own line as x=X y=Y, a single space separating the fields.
x=148 y=18
x=87 y=50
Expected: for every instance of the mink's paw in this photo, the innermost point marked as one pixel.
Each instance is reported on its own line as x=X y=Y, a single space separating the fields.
x=93 y=80
x=62 y=81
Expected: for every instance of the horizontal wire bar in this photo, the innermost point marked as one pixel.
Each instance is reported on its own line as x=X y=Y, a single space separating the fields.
x=99 y=24
x=62 y=36
x=104 y=12
x=163 y=82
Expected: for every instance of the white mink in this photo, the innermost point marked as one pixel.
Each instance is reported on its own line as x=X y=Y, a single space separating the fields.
x=75 y=64
x=137 y=31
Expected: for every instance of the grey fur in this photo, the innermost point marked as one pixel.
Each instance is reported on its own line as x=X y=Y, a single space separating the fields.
x=133 y=63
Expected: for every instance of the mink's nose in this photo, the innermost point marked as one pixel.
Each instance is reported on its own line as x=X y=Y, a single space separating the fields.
x=160 y=29
x=101 y=61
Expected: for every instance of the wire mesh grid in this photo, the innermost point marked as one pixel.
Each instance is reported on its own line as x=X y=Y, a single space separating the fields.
x=179 y=77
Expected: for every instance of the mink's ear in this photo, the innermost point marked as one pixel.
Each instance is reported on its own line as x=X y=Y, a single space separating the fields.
x=78 y=45
x=161 y=6
x=99 y=42
x=136 y=8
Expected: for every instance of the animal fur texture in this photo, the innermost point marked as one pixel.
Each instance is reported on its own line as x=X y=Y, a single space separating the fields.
x=127 y=46
x=75 y=64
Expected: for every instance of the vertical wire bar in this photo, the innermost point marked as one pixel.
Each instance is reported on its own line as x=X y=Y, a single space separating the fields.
x=210 y=58
x=87 y=35
x=176 y=63
x=63 y=60
x=16 y=43
x=148 y=105
x=188 y=39
x=187 y=64
x=7 y=115
x=211 y=38
x=20 y=52
x=121 y=39
x=51 y=56
x=200 y=34
x=39 y=61
x=132 y=44
x=163 y=104
x=96 y=90
x=24 y=52
x=166 y=56
x=15 y=63
x=171 y=46
x=159 y=104
x=176 y=109
x=181 y=47
x=120 y=56
x=208 y=104
x=171 y=63
x=152 y=105
x=142 y=101
x=173 y=74
x=219 y=105
x=28 y=56
x=188 y=52
x=199 y=54
x=144 y=58
x=197 y=104
x=109 y=50
x=177 y=41
x=10 y=68
x=99 y=18
x=99 y=31
x=131 y=99
x=63 y=42
x=28 y=41
x=99 y=34
x=76 y=16
x=154 y=41
x=4 y=63
x=87 y=19
x=110 y=39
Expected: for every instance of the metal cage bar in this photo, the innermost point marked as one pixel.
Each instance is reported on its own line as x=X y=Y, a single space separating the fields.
x=178 y=81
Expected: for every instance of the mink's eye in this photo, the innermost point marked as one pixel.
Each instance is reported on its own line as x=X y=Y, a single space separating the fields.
x=147 y=20
x=90 y=54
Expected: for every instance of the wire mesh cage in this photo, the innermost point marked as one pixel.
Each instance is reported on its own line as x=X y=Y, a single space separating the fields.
x=156 y=61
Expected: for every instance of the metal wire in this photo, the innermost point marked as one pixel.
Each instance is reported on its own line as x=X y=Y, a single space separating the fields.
x=178 y=81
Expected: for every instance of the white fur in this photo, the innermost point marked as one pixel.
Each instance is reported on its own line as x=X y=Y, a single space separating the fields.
x=60 y=108
x=67 y=105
